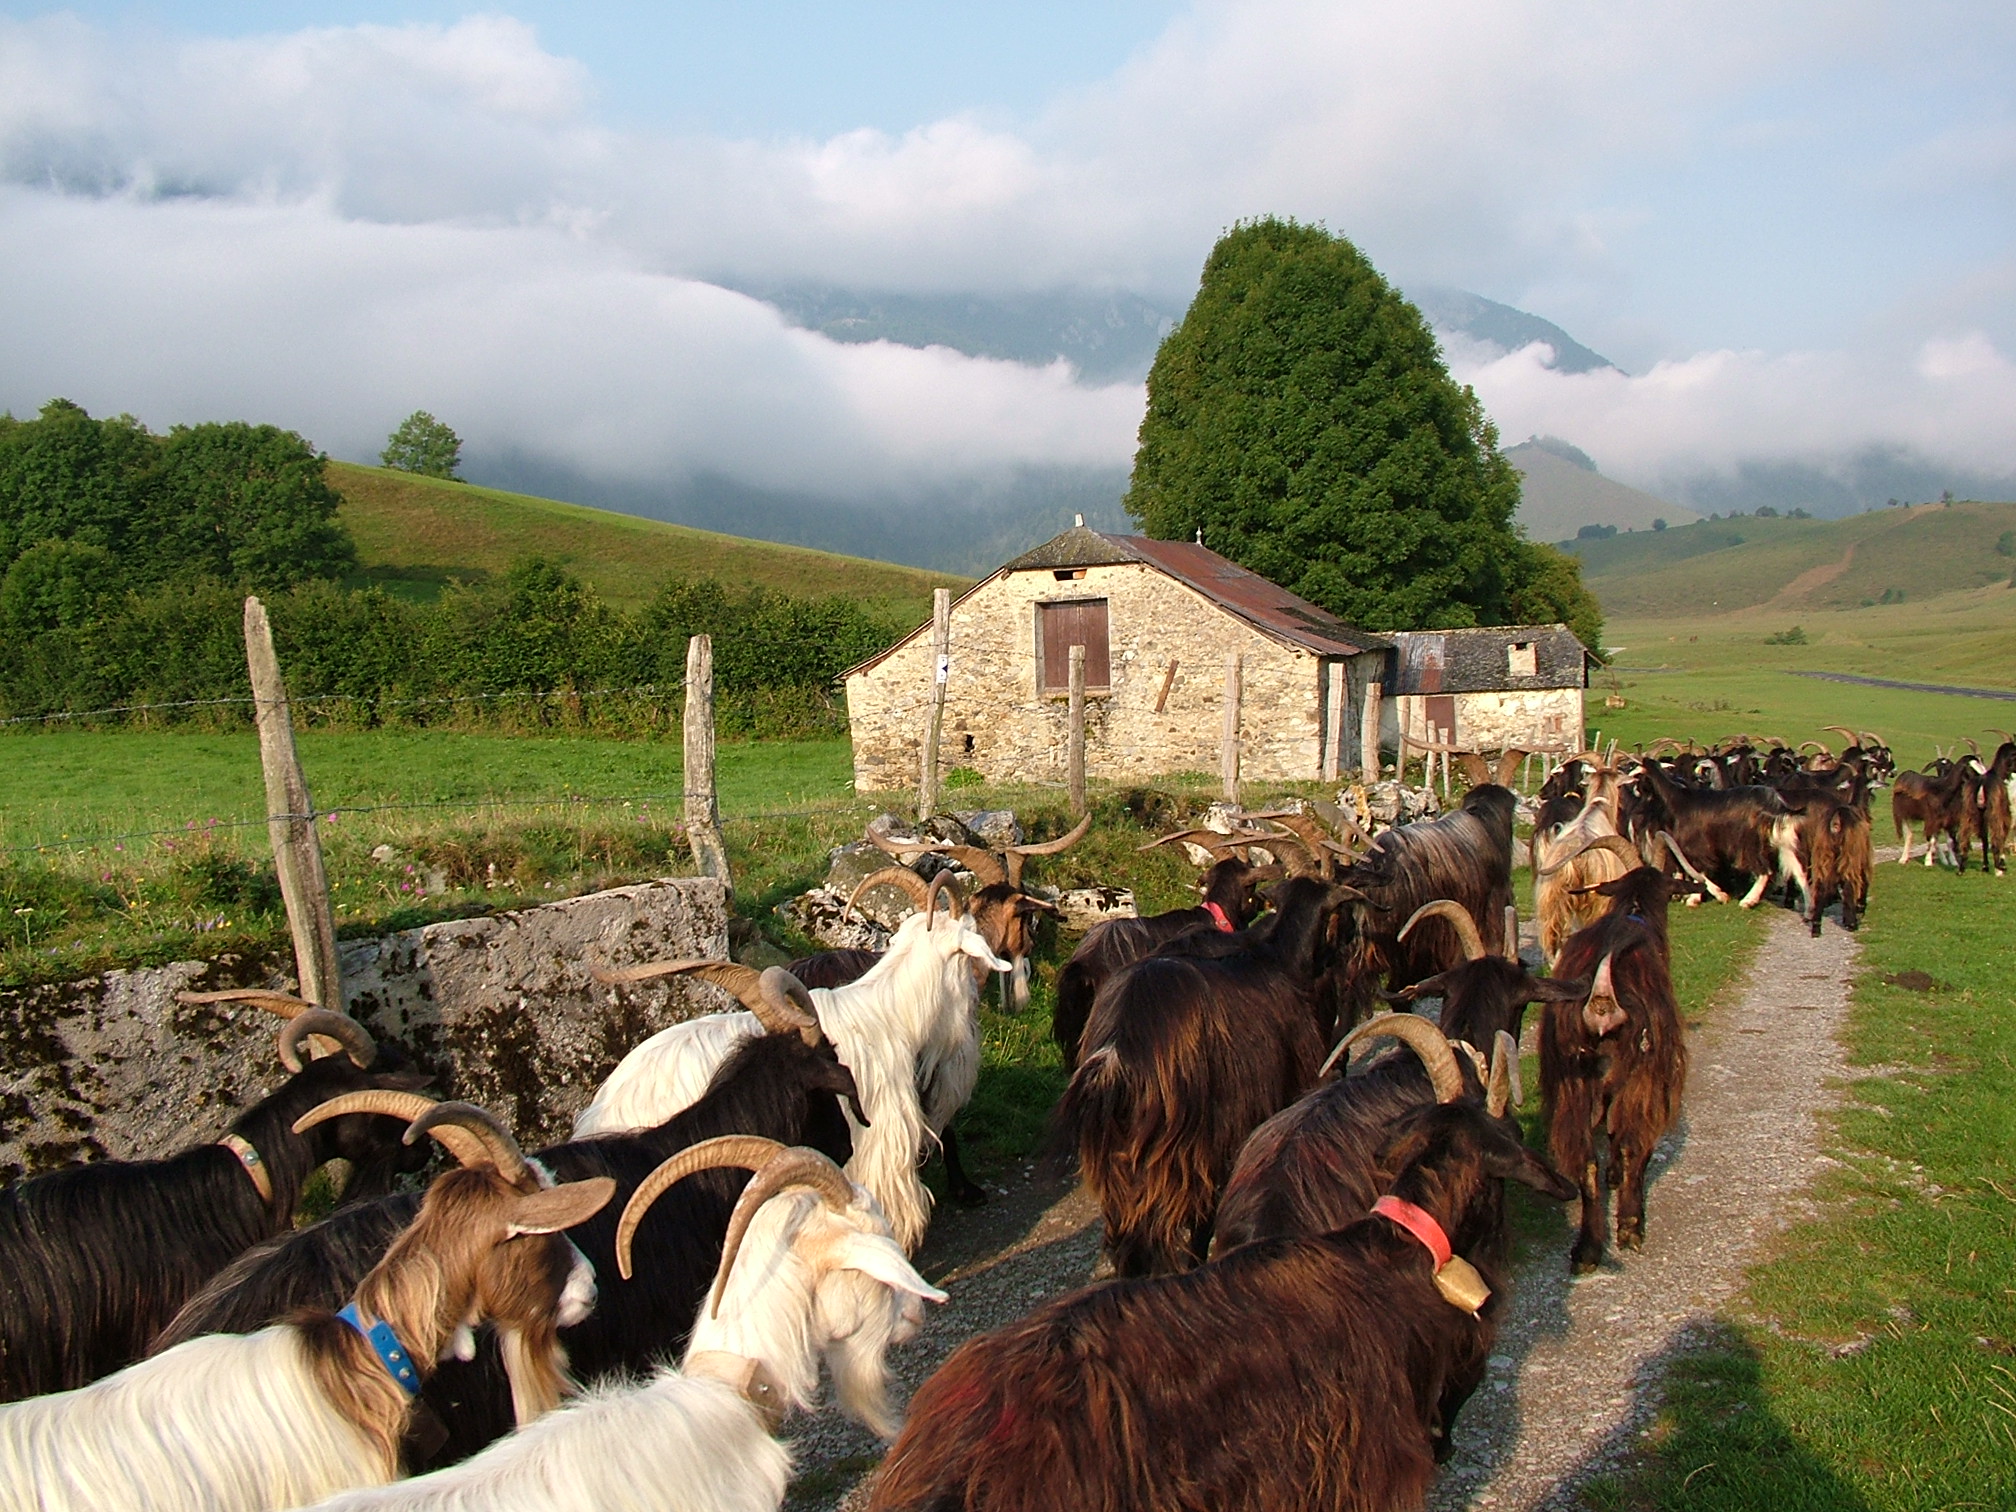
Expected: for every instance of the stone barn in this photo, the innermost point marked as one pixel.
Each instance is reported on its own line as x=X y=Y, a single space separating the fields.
x=1158 y=621
x=1485 y=690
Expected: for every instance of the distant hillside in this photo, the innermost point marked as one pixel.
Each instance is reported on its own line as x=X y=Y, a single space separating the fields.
x=416 y=534
x=1752 y=562
x=1561 y=491
x=1502 y=326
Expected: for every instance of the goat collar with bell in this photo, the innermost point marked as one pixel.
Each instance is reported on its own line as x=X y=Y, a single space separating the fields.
x=255 y=1166
x=394 y=1356
x=1218 y=913
x=1455 y=1278
x=747 y=1377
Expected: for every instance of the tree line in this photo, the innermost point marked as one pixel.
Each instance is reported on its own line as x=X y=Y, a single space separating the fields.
x=125 y=558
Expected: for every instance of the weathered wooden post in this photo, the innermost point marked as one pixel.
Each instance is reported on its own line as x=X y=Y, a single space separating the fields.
x=1074 y=748
x=1333 y=734
x=1368 y=732
x=290 y=822
x=1512 y=931
x=1228 y=743
x=703 y=806
x=941 y=669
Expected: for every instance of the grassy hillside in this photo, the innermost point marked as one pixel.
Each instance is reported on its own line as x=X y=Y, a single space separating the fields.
x=1557 y=497
x=416 y=534
x=1720 y=566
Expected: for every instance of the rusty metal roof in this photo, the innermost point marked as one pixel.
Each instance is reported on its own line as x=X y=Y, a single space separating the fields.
x=1267 y=607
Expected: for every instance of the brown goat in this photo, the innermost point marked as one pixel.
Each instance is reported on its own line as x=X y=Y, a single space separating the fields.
x=1316 y=1372
x=1615 y=1063
x=1834 y=838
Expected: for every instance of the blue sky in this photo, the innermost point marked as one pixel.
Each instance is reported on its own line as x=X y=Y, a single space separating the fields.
x=1794 y=223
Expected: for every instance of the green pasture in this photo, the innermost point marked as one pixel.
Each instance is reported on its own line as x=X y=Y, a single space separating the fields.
x=1873 y=1365
x=416 y=534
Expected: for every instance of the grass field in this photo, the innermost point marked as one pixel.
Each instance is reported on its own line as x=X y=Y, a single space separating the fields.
x=1876 y=1366
x=415 y=534
x=1747 y=562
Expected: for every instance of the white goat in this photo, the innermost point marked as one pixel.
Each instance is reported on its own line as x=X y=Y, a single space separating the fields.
x=240 y=1423
x=821 y=1277
x=907 y=1030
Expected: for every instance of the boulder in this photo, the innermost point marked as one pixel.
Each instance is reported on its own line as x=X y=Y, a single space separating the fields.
x=818 y=915
x=1085 y=906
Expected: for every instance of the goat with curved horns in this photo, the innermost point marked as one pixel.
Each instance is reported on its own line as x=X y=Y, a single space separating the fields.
x=907 y=1030
x=823 y=1279
x=241 y=1423
x=98 y=1257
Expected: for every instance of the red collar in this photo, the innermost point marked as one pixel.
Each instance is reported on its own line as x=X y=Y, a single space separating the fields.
x=1224 y=924
x=1418 y=1222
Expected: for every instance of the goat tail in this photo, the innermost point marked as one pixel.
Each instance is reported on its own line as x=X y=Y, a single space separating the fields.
x=1148 y=1184
x=1075 y=990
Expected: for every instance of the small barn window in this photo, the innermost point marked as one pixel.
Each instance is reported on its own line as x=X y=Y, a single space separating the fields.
x=1522 y=659
x=1059 y=627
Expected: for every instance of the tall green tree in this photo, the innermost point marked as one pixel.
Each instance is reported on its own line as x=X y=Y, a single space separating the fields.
x=1301 y=417
x=423 y=445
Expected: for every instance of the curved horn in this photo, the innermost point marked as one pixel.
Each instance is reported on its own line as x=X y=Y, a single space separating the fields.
x=729 y=976
x=1972 y=744
x=1843 y=731
x=283 y=1003
x=467 y=1146
x=1063 y=842
x=1502 y=1090
x=908 y=847
x=1420 y=1036
x=1816 y=745
x=352 y=1036
x=787 y=1007
x=892 y=876
x=1616 y=844
x=749 y=1151
x=401 y=1105
x=797 y=1167
x=1459 y=920
x=988 y=869
x=474 y=1136
x=943 y=882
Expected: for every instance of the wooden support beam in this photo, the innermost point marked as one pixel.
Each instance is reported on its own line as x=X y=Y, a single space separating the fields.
x=1228 y=744
x=1168 y=681
x=1368 y=732
x=1333 y=724
x=290 y=822
x=941 y=671
x=1074 y=751
x=703 y=806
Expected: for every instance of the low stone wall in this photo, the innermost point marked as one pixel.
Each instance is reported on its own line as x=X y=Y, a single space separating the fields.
x=501 y=1009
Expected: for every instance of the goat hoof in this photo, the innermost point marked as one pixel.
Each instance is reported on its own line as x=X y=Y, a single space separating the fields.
x=1630 y=1238
x=969 y=1196
x=1581 y=1262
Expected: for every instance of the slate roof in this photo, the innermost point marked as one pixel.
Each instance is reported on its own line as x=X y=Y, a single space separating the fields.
x=1476 y=661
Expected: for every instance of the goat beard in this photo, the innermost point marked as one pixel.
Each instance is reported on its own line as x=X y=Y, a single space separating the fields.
x=535 y=1361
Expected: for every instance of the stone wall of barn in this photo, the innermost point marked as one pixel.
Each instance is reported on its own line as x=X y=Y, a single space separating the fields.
x=999 y=724
x=1534 y=719
x=501 y=1009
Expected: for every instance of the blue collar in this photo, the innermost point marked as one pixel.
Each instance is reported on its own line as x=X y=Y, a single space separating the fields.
x=394 y=1356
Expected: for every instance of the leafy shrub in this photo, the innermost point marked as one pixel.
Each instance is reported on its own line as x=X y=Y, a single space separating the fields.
x=964 y=777
x=1796 y=636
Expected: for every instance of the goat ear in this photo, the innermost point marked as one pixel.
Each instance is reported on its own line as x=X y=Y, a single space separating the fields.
x=560 y=1207
x=878 y=1257
x=1554 y=990
x=973 y=945
x=1512 y=1161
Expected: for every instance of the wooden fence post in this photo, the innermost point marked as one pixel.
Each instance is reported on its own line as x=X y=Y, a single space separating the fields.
x=941 y=668
x=1368 y=733
x=1228 y=744
x=703 y=806
x=1333 y=733
x=1074 y=748
x=290 y=822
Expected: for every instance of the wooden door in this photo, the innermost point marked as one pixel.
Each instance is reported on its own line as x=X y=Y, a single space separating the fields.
x=1439 y=713
x=1059 y=627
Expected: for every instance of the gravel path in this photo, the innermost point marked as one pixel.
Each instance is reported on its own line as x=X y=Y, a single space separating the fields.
x=1575 y=1376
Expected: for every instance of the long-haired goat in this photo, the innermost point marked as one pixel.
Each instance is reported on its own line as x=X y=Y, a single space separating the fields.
x=821 y=1279
x=1839 y=860
x=99 y=1256
x=1313 y=1166
x=1231 y=890
x=775 y=1087
x=1465 y=857
x=907 y=1030
x=1615 y=1064
x=1318 y=1373
x=1744 y=830
x=240 y=1423
x=1577 y=854
x=1185 y=1055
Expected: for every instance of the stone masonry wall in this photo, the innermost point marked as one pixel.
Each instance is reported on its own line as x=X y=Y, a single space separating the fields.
x=1531 y=718
x=501 y=1009
x=998 y=723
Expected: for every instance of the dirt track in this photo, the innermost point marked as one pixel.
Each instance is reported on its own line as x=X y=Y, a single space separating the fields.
x=1575 y=1376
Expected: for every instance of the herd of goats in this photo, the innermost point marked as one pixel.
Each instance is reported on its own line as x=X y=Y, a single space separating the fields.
x=1309 y=1251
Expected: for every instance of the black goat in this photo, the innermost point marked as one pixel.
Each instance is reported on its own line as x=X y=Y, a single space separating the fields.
x=774 y=1086
x=1617 y=1063
x=1185 y=1055
x=1465 y=857
x=1313 y=1167
x=1231 y=890
x=97 y=1257
x=1319 y=1373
